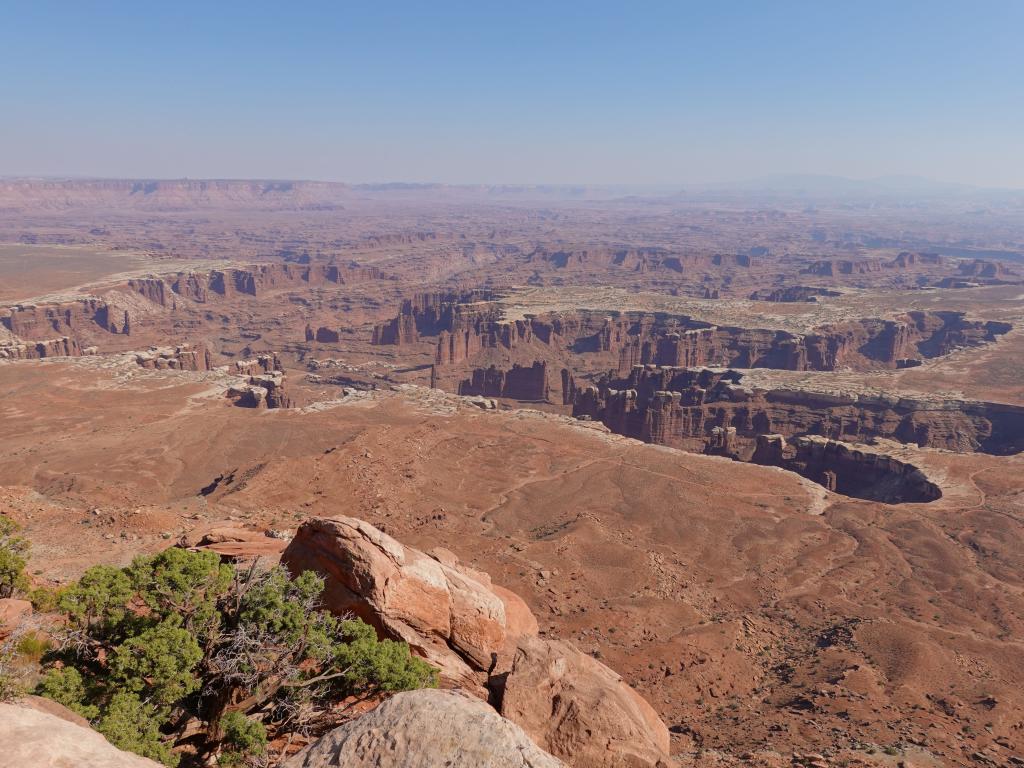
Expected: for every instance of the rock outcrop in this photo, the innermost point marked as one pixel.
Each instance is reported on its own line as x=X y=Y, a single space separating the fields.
x=40 y=739
x=851 y=470
x=793 y=293
x=905 y=260
x=234 y=543
x=472 y=331
x=429 y=314
x=518 y=383
x=212 y=286
x=398 y=331
x=683 y=407
x=265 y=383
x=34 y=350
x=448 y=614
x=640 y=260
x=579 y=710
x=183 y=357
x=473 y=631
x=323 y=335
x=36 y=321
x=426 y=729
x=12 y=612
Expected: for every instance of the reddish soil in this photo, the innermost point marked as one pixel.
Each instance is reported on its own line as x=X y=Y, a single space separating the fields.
x=763 y=615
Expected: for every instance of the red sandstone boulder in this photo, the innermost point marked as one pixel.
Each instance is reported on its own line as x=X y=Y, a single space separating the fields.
x=233 y=542
x=426 y=729
x=40 y=737
x=579 y=710
x=12 y=613
x=51 y=707
x=447 y=613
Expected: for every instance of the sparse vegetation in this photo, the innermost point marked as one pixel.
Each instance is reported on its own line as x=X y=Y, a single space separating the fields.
x=13 y=549
x=179 y=649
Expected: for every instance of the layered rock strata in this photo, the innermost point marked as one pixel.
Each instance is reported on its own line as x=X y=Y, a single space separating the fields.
x=265 y=383
x=683 y=407
x=183 y=357
x=850 y=470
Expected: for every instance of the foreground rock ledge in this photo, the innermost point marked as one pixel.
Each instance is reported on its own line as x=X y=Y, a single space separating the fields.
x=447 y=613
x=427 y=729
x=32 y=738
x=570 y=704
x=580 y=710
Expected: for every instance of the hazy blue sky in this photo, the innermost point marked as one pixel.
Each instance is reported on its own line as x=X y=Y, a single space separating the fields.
x=515 y=91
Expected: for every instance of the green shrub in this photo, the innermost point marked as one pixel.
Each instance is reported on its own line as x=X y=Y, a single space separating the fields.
x=13 y=550
x=32 y=646
x=45 y=599
x=159 y=664
x=241 y=739
x=132 y=725
x=228 y=650
x=66 y=686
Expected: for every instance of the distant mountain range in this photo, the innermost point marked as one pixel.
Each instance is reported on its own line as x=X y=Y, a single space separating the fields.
x=172 y=194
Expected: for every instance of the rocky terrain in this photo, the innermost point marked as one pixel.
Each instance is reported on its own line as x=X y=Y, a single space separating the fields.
x=746 y=473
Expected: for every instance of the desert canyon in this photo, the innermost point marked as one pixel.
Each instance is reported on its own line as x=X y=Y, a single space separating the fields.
x=744 y=469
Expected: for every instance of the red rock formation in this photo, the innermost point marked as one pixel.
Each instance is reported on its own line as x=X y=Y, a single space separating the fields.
x=184 y=357
x=203 y=287
x=32 y=350
x=448 y=613
x=903 y=261
x=426 y=729
x=154 y=289
x=265 y=384
x=30 y=321
x=987 y=269
x=517 y=383
x=847 y=469
x=580 y=711
x=12 y=613
x=641 y=339
x=638 y=260
x=429 y=314
x=235 y=543
x=722 y=442
x=794 y=293
x=570 y=704
x=399 y=331
x=682 y=408
x=327 y=335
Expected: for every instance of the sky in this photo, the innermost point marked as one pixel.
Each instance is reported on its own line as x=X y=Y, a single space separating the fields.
x=517 y=92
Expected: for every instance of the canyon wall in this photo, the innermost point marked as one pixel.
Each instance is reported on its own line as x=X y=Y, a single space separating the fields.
x=638 y=259
x=849 y=470
x=468 y=324
x=254 y=280
x=518 y=383
x=34 y=350
x=683 y=407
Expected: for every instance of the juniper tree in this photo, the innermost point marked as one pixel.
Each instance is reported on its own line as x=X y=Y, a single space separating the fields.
x=195 y=651
x=13 y=550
